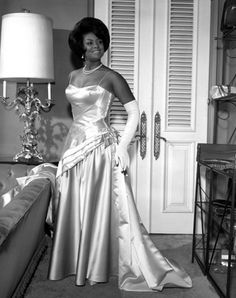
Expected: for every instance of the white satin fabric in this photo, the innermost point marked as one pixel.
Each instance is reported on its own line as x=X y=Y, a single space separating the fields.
x=98 y=232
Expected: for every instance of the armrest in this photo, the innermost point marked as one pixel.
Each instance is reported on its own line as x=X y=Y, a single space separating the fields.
x=22 y=228
x=13 y=212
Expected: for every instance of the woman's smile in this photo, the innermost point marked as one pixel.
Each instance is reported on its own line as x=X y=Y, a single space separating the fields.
x=94 y=47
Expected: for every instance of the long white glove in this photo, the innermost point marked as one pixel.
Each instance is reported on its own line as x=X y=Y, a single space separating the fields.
x=122 y=155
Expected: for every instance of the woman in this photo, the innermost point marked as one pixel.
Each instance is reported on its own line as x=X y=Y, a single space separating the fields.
x=98 y=231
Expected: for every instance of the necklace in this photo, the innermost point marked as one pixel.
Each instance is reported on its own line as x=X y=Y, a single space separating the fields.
x=87 y=72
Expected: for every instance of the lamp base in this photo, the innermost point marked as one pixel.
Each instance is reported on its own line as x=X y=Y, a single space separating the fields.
x=28 y=106
x=29 y=156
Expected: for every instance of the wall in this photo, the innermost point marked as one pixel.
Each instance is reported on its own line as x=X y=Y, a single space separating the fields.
x=54 y=125
x=223 y=72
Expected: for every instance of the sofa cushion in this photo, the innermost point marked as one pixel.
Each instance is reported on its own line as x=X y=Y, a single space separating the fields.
x=7 y=197
x=13 y=177
x=8 y=174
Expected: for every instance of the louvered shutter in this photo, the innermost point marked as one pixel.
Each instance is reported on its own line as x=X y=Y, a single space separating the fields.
x=180 y=100
x=180 y=65
x=122 y=51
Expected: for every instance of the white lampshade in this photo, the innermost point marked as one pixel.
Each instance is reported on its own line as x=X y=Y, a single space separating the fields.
x=26 y=50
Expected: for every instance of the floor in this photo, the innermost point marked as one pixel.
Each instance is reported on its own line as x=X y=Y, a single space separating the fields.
x=177 y=247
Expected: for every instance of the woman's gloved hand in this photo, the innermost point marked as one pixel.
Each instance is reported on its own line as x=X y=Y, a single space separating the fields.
x=122 y=157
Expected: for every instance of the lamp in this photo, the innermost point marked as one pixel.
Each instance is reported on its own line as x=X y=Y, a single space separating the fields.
x=26 y=56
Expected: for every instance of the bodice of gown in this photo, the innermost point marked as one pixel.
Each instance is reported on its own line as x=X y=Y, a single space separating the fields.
x=90 y=108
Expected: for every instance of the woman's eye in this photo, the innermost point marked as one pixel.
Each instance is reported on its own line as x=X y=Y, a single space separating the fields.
x=92 y=43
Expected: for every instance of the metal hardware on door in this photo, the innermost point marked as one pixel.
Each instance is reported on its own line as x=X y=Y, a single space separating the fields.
x=143 y=135
x=157 y=137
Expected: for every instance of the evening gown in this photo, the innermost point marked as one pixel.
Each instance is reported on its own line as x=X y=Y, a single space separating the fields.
x=98 y=231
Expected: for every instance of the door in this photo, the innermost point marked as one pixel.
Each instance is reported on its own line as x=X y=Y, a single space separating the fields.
x=162 y=48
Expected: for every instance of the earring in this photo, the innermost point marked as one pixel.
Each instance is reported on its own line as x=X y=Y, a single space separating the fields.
x=82 y=57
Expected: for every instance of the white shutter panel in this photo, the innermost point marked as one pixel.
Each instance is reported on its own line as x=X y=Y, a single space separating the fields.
x=180 y=100
x=122 y=51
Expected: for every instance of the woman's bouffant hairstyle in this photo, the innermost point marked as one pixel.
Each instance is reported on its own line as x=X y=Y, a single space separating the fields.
x=87 y=25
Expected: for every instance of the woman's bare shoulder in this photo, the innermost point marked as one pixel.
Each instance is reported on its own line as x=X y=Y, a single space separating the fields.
x=120 y=87
x=114 y=74
x=75 y=72
x=115 y=77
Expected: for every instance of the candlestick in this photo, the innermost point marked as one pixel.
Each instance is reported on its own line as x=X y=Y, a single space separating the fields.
x=28 y=106
x=49 y=91
x=4 y=89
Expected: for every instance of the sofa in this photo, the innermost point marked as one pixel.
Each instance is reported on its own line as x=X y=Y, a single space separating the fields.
x=23 y=233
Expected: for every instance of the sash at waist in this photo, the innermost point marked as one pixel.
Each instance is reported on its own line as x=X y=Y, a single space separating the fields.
x=74 y=155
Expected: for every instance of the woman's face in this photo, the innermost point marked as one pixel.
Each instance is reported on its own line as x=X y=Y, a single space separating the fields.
x=94 y=47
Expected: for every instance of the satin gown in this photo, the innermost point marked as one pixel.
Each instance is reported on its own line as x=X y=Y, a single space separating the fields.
x=98 y=231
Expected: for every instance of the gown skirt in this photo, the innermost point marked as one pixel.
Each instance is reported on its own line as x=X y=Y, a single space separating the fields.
x=99 y=232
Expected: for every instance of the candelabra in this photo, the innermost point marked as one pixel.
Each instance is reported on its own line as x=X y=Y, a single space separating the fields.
x=26 y=56
x=28 y=106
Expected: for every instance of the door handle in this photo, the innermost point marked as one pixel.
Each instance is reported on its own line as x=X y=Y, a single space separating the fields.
x=157 y=136
x=143 y=135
